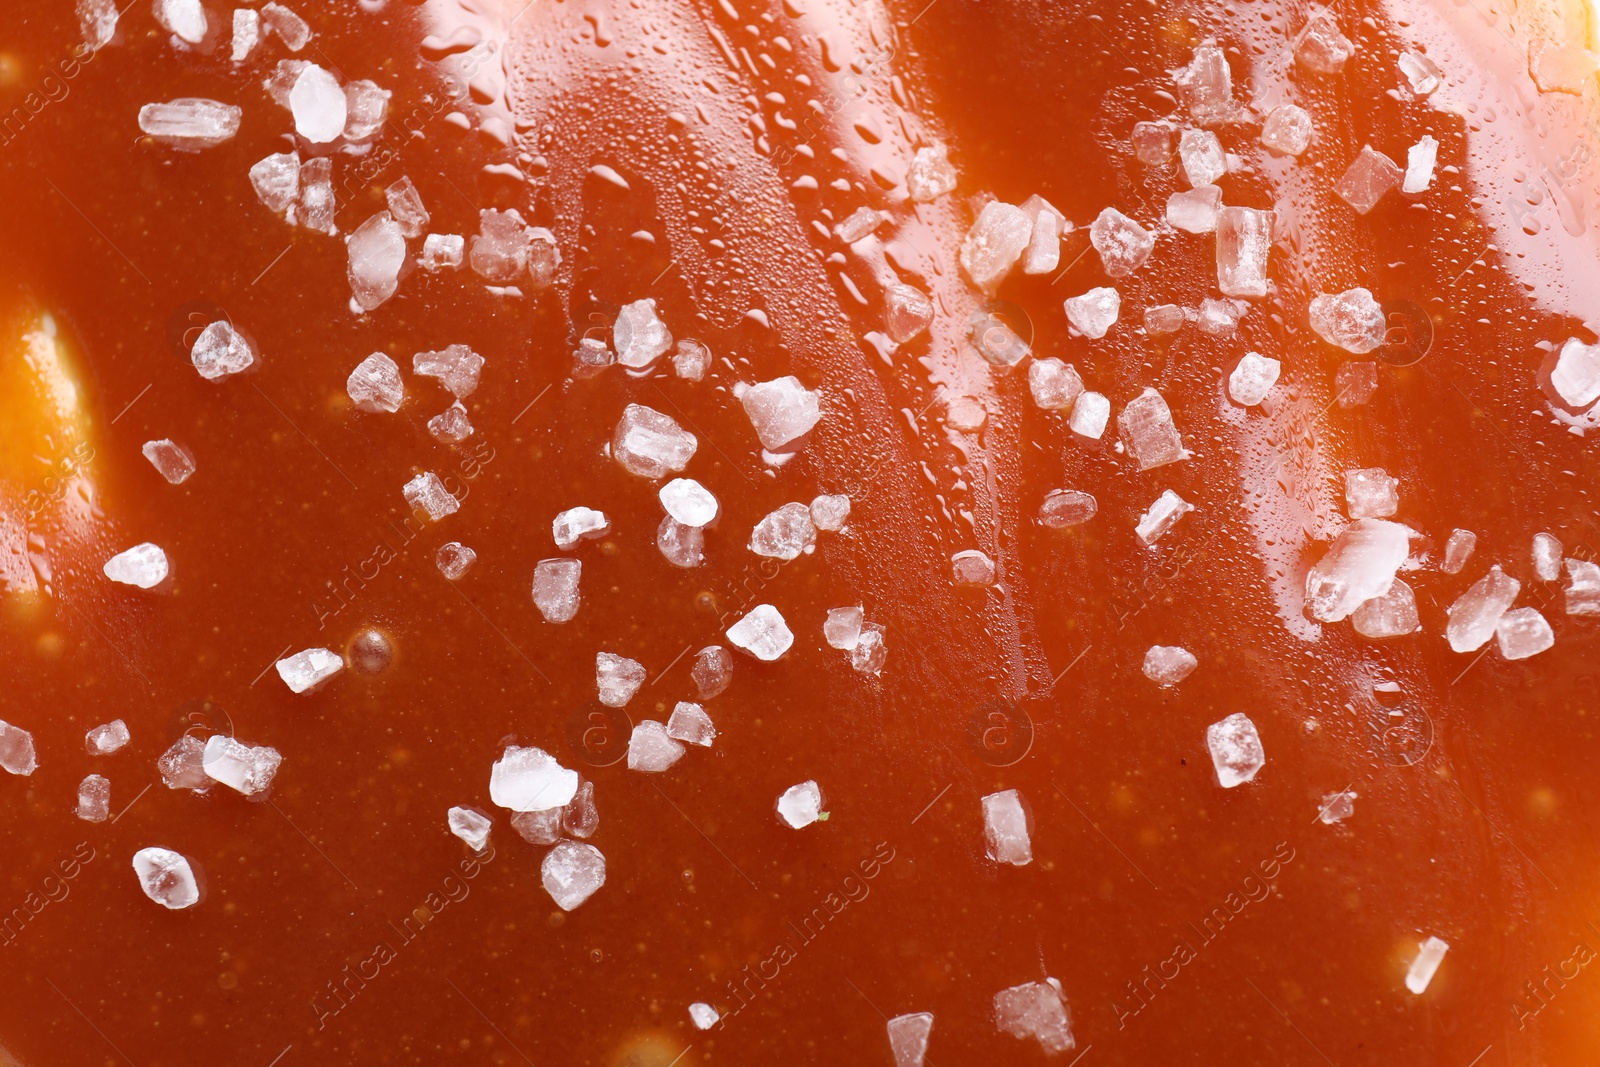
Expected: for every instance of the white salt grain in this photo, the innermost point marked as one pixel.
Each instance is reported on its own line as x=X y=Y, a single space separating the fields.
x=800 y=805
x=1007 y=829
x=1236 y=752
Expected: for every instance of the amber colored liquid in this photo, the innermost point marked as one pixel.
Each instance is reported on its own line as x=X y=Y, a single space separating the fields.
x=342 y=924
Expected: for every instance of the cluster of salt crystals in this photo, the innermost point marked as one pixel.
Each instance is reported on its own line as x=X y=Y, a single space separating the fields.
x=650 y=444
x=830 y=511
x=996 y=341
x=107 y=738
x=994 y=244
x=174 y=462
x=693 y=359
x=785 y=534
x=1148 y=431
x=1067 y=507
x=1576 y=376
x=1421 y=73
x=1201 y=155
x=191 y=123
x=220 y=351
x=800 y=805
x=1287 y=129
x=427 y=493
x=457 y=368
x=651 y=750
x=703 y=1015
x=1394 y=614
x=1235 y=747
x=762 y=633
x=1007 y=826
x=1164 y=319
x=377 y=251
x=1420 y=160
x=375 y=385
x=1244 y=242
x=680 y=545
x=1167 y=665
x=1321 y=47
x=166 y=878
x=471 y=826
x=442 y=251
x=1161 y=517
x=1457 y=550
x=578 y=524
x=1054 y=384
x=1194 y=210
x=1337 y=807
x=639 y=335
x=930 y=174
x=1095 y=312
x=1355 y=382
x=847 y=630
x=1582 y=592
x=94 y=799
x=1430 y=954
x=690 y=724
x=907 y=312
x=1090 y=414
x=555 y=588
x=1367 y=180
x=1122 y=244
x=16 y=750
x=184 y=19
x=572 y=872
x=530 y=779
x=712 y=671
x=1036 y=1010
x=1352 y=320
x=454 y=559
x=1205 y=87
x=908 y=1038
x=617 y=678
x=142 y=566
x=1475 y=613
x=862 y=222
x=451 y=425
x=1361 y=564
x=245 y=768
x=1370 y=493
x=1253 y=378
x=1523 y=632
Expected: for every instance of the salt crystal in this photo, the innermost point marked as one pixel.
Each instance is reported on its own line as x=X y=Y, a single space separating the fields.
x=499 y=251
x=1360 y=565
x=1583 y=588
x=842 y=628
x=1367 y=179
x=97 y=19
x=530 y=779
x=690 y=724
x=16 y=750
x=454 y=559
x=907 y=312
x=471 y=825
x=830 y=511
x=183 y=765
x=651 y=750
x=1205 y=86
x=995 y=341
x=784 y=534
x=762 y=633
x=1576 y=376
x=544 y=259
x=691 y=361
x=1163 y=319
x=870 y=654
x=405 y=205
x=1054 y=384
x=1253 y=379
x=427 y=493
x=1006 y=829
x=1320 y=47
x=184 y=19
x=1202 y=157
x=1044 y=245
x=1355 y=382
x=107 y=738
x=1370 y=493
x=1066 y=507
x=1161 y=517
x=1148 y=431
x=1095 y=312
x=305 y=670
x=451 y=425
x=1546 y=557
x=318 y=104
x=966 y=413
x=375 y=384
x=1394 y=614
x=972 y=568
x=617 y=678
x=166 y=878
x=1236 y=752
x=930 y=175
x=580 y=817
x=1194 y=210
x=248 y=769
x=712 y=671
x=1244 y=243
x=995 y=243
x=457 y=368
x=908 y=1038
x=1352 y=320
x=640 y=335
x=174 y=462
x=1337 y=807
x=94 y=799
x=1152 y=143
x=1420 y=160
x=555 y=588
x=276 y=180
x=246 y=32
x=1561 y=68
x=578 y=524
x=366 y=108
x=571 y=873
x=143 y=566
x=317 y=207
x=377 y=251
x=682 y=546
x=1167 y=665
x=442 y=251
x=800 y=805
x=860 y=223
x=280 y=83
x=1421 y=73
x=220 y=352
x=1220 y=318
x=289 y=27
x=591 y=357
x=1124 y=246
x=1287 y=129
x=781 y=411
x=1036 y=1010
x=1457 y=550
x=1430 y=954
x=703 y=1015
x=191 y=123
x=538 y=827
x=1090 y=415
x=1476 y=613
x=689 y=502
x=1523 y=632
